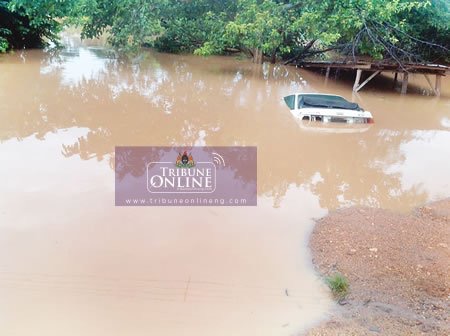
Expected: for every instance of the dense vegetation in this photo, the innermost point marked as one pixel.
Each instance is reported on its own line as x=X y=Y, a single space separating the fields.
x=398 y=30
x=27 y=23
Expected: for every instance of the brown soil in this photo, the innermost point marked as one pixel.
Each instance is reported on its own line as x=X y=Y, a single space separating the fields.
x=398 y=268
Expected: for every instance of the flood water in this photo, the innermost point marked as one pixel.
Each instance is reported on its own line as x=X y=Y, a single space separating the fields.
x=71 y=263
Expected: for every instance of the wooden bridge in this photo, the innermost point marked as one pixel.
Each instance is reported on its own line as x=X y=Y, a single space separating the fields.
x=376 y=68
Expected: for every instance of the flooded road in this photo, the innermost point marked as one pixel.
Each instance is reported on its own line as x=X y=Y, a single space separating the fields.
x=73 y=264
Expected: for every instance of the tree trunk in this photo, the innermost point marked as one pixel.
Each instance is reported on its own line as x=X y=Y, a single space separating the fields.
x=257 y=56
x=273 y=59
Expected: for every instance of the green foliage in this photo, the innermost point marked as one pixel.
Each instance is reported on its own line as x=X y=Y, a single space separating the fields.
x=400 y=30
x=257 y=25
x=339 y=285
x=341 y=21
x=129 y=23
x=195 y=26
x=430 y=23
x=27 y=23
x=4 y=44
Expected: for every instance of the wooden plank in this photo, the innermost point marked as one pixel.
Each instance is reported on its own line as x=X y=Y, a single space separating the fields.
x=410 y=67
x=404 y=83
x=438 y=67
x=384 y=67
x=437 y=87
x=366 y=81
x=426 y=69
x=431 y=85
x=357 y=78
x=335 y=65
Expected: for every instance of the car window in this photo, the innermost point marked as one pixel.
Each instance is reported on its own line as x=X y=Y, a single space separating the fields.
x=290 y=101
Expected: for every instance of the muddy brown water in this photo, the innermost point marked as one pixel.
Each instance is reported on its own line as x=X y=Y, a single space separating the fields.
x=73 y=264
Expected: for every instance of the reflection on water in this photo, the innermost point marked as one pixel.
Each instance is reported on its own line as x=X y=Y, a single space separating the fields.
x=167 y=99
x=425 y=166
x=90 y=268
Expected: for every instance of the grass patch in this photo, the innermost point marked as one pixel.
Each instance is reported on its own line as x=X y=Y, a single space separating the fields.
x=338 y=284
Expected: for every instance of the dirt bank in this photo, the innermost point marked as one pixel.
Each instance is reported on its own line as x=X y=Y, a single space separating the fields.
x=398 y=267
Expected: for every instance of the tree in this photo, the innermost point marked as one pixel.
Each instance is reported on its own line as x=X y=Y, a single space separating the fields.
x=195 y=26
x=382 y=29
x=27 y=23
x=257 y=28
x=390 y=30
x=129 y=23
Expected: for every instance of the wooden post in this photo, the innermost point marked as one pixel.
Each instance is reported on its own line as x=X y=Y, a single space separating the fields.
x=431 y=85
x=437 y=87
x=336 y=73
x=404 y=83
x=358 y=77
x=395 y=80
x=359 y=87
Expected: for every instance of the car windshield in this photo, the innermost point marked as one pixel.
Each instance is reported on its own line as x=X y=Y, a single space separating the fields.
x=326 y=101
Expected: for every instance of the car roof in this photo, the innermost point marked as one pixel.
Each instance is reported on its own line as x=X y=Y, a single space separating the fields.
x=318 y=94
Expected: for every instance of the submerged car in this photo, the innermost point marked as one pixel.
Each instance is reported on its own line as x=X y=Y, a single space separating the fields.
x=326 y=108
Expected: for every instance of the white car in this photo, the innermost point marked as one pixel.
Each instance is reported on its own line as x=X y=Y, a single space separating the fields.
x=326 y=108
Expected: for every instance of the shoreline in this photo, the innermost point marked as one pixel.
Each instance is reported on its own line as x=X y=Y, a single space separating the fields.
x=397 y=266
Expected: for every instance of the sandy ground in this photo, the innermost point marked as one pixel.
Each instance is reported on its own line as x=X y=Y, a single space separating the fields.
x=398 y=267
